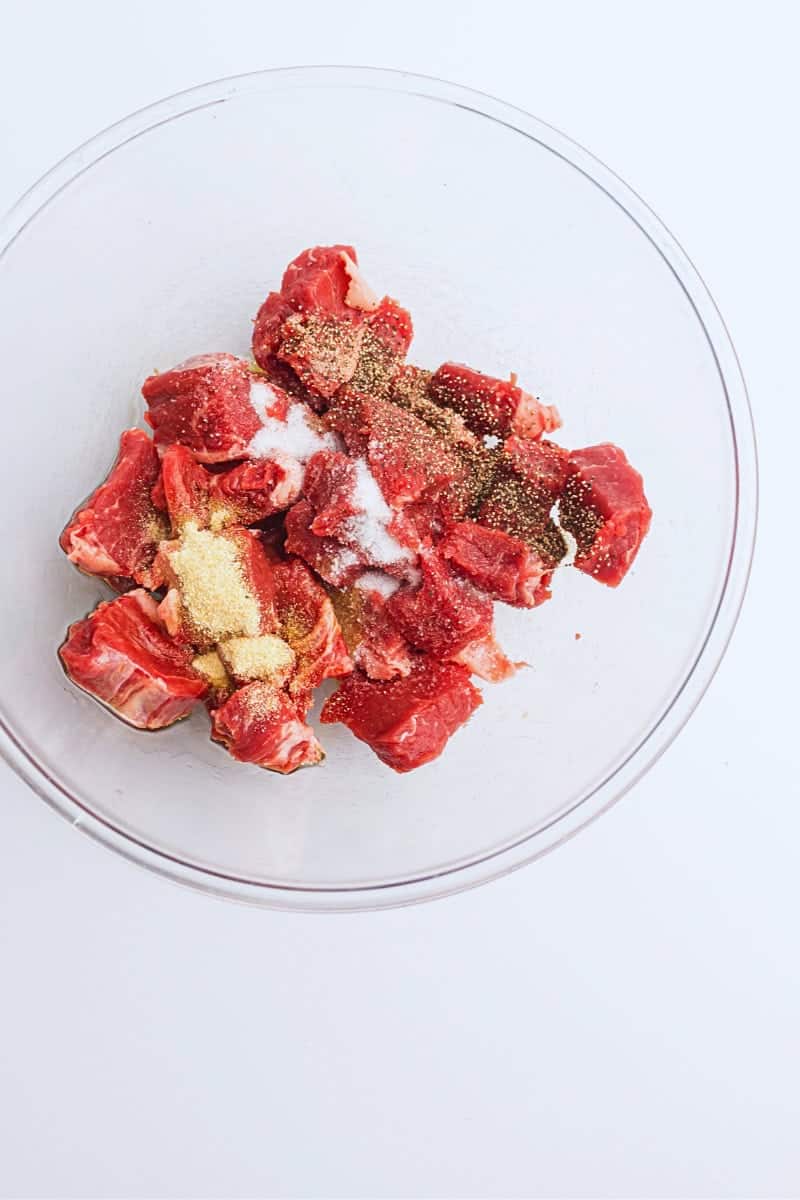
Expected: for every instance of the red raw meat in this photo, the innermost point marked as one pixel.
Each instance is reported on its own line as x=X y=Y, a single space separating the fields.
x=444 y=614
x=478 y=464
x=544 y=465
x=309 y=624
x=349 y=508
x=117 y=531
x=335 y=563
x=486 y=658
x=253 y=491
x=605 y=509
x=391 y=325
x=446 y=499
x=424 y=523
x=329 y=487
x=240 y=495
x=185 y=486
x=259 y=724
x=408 y=721
x=411 y=390
x=220 y=586
x=374 y=642
x=403 y=453
x=121 y=654
x=385 y=339
x=502 y=566
x=326 y=327
x=326 y=279
x=491 y=406
x=314 y=324
x=322 y=353
x=204 y=403
x=529 y=478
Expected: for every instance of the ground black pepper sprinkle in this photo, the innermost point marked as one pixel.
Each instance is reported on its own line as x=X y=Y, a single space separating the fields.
x=329 y=348
x=578 y=515
x=375 y=367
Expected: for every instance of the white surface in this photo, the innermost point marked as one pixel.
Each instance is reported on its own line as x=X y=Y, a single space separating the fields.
x=619 y=1019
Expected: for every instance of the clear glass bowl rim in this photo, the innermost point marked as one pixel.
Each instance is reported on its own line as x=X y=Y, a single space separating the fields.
x=655 y=741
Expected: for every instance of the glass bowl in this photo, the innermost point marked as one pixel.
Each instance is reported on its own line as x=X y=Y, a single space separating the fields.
x=515 y=249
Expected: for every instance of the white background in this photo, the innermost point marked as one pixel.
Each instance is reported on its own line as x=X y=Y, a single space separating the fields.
x=620 y=1019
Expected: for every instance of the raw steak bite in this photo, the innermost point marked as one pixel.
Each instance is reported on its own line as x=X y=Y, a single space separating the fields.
x=314 y=325
x=116 y=533
x=333 y=562
x=220 y=586
x=330 y=488
x=327 y=279
x=259 y=724
x=350 y=507
x=493 y=407
x=253 y=491
x=443 y=614
x=309 y=625
x=374 y=641
x=240 y=495
x=461 y=497
x=543 y=465
x=385 y=339
x=205 y=404
x=184 y=489
x=121 y=655
x=605 y=509
x=529 y=479
x=407 y=721
x=502 y=566
x=404 y=454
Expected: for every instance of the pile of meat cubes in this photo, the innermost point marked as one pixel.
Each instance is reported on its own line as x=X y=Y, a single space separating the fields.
x=328 y=511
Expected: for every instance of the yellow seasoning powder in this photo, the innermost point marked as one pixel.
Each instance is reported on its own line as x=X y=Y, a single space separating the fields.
x=267 y=657
x=213 y=589
x=212 y=668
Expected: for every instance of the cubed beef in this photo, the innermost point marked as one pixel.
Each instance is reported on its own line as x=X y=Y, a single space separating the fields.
x=495 y=407
x=204 y=404
x=605 y=509
x=444 y=613
x=404 y=454
x=308 y=623
x=122 y=655
x=260 y=724
x=117 y=531
x=502 y=566
x=374 y=641
x=406 y=721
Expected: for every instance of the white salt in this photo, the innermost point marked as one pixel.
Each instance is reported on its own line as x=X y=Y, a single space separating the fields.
x=262 y=397
x=295 y=436
x=369 y=528
x=377 y=581
x=338 y=565
x=491 y=441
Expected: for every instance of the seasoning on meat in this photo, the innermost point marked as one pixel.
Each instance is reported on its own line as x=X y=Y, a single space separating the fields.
x=332 y=512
